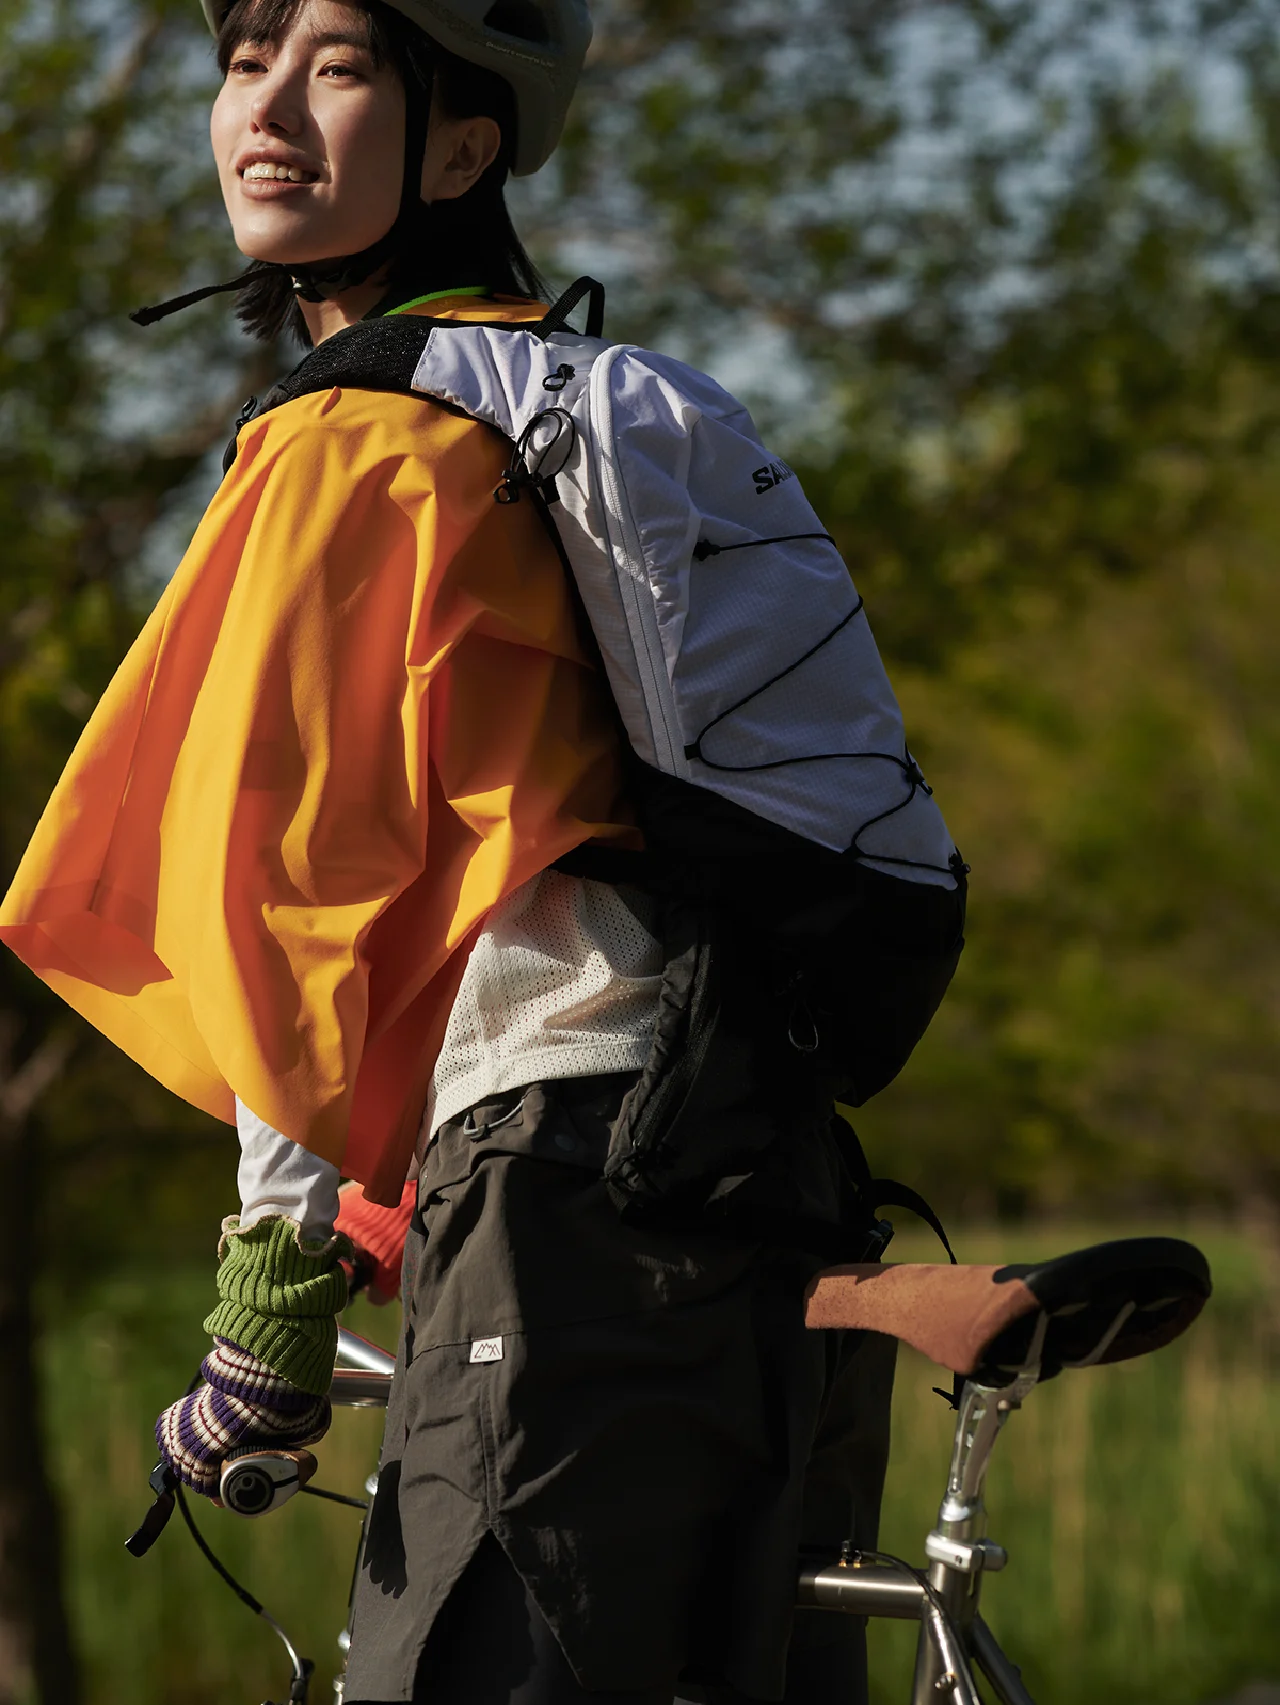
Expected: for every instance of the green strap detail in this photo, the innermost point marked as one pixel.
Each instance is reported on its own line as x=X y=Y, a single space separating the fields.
x=437 y=296
x=280 y=1300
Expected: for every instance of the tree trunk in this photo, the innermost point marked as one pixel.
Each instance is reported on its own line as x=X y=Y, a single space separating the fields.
x=37 y=1656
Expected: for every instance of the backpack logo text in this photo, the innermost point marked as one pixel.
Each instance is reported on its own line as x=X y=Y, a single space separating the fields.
x=777 y=473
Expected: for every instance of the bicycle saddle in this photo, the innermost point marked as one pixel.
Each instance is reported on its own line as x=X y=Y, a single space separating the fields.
x=1107 y=1303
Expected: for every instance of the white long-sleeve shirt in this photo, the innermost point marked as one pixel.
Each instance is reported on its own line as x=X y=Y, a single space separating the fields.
x=278 y=1176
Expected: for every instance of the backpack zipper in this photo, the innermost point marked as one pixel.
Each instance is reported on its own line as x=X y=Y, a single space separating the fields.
x=633 y=585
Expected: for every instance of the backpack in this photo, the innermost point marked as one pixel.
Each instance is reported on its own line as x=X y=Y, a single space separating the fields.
x=813 y=900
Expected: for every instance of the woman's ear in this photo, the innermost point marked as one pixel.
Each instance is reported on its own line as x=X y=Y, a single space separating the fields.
x=459 y=152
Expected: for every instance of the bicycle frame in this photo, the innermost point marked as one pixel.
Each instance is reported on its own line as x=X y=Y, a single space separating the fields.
x=953 y=1636
x=945 y=1600
x=361 y=1380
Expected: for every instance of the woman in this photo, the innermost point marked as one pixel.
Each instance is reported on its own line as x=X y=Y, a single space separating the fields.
x=301 y=866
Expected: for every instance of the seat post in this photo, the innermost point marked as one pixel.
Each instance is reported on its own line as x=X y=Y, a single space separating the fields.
x=958 y=1549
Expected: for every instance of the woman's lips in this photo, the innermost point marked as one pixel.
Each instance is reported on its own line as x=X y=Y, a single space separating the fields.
x=266 y=179
x=272 y=189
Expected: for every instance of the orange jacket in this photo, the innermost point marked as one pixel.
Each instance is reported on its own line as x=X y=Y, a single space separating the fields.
x=358 y=718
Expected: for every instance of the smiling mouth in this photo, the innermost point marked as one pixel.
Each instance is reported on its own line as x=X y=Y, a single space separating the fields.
x=267 y=171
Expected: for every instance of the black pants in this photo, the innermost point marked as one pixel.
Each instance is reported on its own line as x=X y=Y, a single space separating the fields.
x=491 y=1646
x=630 y=1422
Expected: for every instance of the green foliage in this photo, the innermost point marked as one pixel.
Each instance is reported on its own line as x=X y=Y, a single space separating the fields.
x=1111 y=773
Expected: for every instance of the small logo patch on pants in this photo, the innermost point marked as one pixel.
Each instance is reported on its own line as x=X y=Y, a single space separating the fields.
x=486 y=1350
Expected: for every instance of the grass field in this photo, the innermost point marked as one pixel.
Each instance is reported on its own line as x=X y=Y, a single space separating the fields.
x=1140 y=1506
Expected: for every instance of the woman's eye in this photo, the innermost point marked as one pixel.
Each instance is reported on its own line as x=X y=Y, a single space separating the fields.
x=339 y=69
x=244 y=64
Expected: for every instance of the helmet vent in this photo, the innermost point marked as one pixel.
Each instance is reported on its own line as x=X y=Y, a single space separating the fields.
x=520 y=18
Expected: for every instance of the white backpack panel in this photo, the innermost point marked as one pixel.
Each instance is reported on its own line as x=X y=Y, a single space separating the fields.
x=750 y=671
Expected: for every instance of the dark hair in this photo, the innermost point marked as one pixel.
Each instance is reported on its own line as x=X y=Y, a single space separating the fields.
x=466 y=241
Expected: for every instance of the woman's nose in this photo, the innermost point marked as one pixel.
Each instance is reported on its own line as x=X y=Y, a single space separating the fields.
x=276 y=109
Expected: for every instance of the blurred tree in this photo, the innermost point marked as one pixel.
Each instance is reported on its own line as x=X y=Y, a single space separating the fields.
x=996 y=270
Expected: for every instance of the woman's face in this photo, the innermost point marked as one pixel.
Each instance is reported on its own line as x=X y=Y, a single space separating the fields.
x=308 y=135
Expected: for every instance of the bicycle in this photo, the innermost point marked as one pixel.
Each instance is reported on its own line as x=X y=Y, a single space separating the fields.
x=1000 y=1330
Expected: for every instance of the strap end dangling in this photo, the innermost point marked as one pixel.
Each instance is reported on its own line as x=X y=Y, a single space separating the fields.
x=162 y=1483
x=175 y=304
x=149 y=316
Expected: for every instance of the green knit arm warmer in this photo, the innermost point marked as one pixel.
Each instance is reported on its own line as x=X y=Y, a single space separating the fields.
x=280 y=1299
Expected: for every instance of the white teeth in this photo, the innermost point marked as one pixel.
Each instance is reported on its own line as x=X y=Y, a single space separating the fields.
x=264 y=170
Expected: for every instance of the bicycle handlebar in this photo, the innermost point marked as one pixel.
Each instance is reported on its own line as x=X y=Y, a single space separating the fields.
x=255 y=1482
x=362 y=1377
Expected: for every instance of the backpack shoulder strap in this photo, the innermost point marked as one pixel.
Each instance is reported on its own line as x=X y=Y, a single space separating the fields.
x=375 y=355
x=557 y=318
x=384 y=355
x=876 y=1193
x=889 y=1193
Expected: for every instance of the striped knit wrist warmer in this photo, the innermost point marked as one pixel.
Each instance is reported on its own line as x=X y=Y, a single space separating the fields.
x=280 y=1299
x=243 y=1403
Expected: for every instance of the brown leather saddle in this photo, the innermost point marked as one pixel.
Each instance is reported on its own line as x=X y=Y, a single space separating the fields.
x=1106 y=1303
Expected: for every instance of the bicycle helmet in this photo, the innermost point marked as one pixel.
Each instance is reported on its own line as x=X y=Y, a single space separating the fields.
x=537 y=46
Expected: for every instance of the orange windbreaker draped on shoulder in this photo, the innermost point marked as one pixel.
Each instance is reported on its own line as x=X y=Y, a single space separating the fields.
x=358 y=718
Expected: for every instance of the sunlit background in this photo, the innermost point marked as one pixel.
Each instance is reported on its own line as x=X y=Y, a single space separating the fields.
x=1001 y=279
